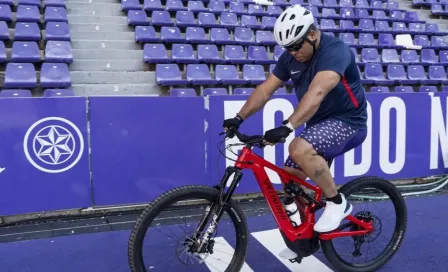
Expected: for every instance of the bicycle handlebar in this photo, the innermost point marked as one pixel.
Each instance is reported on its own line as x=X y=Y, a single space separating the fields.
x=247 y=139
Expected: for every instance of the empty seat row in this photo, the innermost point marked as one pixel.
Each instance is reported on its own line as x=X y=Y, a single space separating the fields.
x=437 y=9
x=38 y=3
x=363 y=13
x=147 y=34
x=406 y=56
x=27 y=13
x=207 y=53
x=402 y=89
x=55 y=51
x=218 y=91
x=400 y=74
x=386 y=40
x=54 y=31
x=23 y=75
x=427 y=3
x=27 y=93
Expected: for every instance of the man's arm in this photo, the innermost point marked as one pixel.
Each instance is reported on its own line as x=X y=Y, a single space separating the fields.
x=321 y=85
x=260 y=96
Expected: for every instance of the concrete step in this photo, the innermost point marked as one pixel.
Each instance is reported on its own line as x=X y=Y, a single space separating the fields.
x=90 y=44
x=78 y=27
x=109 y=65
x=116 y=89
x=93 y=1
x=103 y=36
x=93 y=19
x=99 y=77
x=107 y=10
x=106 y=54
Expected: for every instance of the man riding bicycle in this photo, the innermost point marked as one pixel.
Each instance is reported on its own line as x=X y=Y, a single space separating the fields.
x=331 y=102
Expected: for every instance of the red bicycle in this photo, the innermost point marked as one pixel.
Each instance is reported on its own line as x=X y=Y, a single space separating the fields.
x=362 y=228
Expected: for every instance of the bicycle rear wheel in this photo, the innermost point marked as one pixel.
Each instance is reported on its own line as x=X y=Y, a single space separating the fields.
x=375 y=190
x=188 y=243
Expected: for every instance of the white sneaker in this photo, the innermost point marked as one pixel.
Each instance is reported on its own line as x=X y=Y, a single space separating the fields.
x=287 y=254
x=333 y=215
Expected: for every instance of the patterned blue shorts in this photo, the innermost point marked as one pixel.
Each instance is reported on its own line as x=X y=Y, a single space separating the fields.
x=330 y=138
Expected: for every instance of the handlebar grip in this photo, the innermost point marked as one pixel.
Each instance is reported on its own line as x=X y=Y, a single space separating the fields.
x=282 y=140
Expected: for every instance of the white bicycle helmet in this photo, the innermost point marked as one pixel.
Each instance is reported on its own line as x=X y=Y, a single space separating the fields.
x=292 y=25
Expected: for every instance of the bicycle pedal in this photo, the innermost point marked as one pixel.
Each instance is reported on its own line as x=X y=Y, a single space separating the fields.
x=296 y=260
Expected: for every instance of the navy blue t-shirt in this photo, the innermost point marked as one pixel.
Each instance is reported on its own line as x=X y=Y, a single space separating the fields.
x=346 y=102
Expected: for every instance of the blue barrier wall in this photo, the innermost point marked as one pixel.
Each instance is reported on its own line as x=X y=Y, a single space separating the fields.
x=143 y=146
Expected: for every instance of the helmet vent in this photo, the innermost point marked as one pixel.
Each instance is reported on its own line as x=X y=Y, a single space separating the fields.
x=293 y=16
x=283 y=18
x=298 y=30
x=306 y=12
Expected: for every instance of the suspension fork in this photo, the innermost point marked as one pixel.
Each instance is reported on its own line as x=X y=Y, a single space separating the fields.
x=220 y=203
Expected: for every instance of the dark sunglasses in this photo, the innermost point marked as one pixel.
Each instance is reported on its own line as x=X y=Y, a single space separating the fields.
x=296 y=46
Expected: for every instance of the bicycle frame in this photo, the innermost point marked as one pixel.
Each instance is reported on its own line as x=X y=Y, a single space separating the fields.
x=250 y=160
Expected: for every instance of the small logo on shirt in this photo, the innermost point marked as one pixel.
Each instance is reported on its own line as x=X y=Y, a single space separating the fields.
x=294 y=72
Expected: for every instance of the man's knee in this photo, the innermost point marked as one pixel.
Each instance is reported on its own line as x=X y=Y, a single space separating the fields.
x=299 y=149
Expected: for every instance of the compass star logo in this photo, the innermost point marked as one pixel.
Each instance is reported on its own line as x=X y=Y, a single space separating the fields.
x=53 y=144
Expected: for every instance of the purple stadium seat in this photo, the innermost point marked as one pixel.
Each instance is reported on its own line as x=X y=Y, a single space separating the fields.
x=416 y=72
x=240 y=91
x=348 y=38
x=421 y=40
x=58 y=51
x=235 y=54
x=196 y=6
x=295 y=2
x=265 y=37
x=268 y=22
x=428 y=56
x=443 y=56
x=182 y=92
x=381 y=26
x=399 y=28
x=161 y=18
x=244 y=36
x=409 y=56
x=215 y=91
x=2 y=52
x=366 y=25
x=227 y=74
x=171 y=34
x=54 y=3
x=403 y=89
x=346 y=3
x=257 y=10
x=27 y=32
x=396 y=72
x=392 y=5
x=254 y=73
x=278 y=51
x=437 y=75
x=271 y=68
x=217 y=7
x=427 y=89
x=145 y=34
x=57 y=31
x=411 y=15
x=155 y=53
x=370 y=55
x=58 y=92
x=55 y=14
x=20 y=75
x=250 y=21
x=374 y=71
x=379 y=89
x=228 y=20
x=27 y=14
x=274 y=10
x=390 y=56
x=25 y=52
x=220 y=36
x=207 y=19
x=366 y=39
x=208 y=53
x=328 y=24
x=396 y=15
x=29 y=2
x=362 y=13
x=174 y=5
x=169 y=74
x=259 y=55
x=330 y=13
x=137 y=17
x=386 y=40
x=199 y=74
x=355 y=52
x=183 y=53
x=5 y=13
x=15 y=93
x=445 y=89
x=185 y=18
x=130 y=4
x=436 y=41
x=151 y=5
x=362 y=4
x=346 y=26
x=431 y=28
x=379 y=15
x=55 y=75
x=237 y=8
x=196 y=35
x=417 y=27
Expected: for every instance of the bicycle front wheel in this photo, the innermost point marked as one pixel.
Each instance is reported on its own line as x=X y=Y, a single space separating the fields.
x=172 y=220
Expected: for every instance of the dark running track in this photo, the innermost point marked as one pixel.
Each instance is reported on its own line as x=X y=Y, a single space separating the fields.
x=424 y=249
